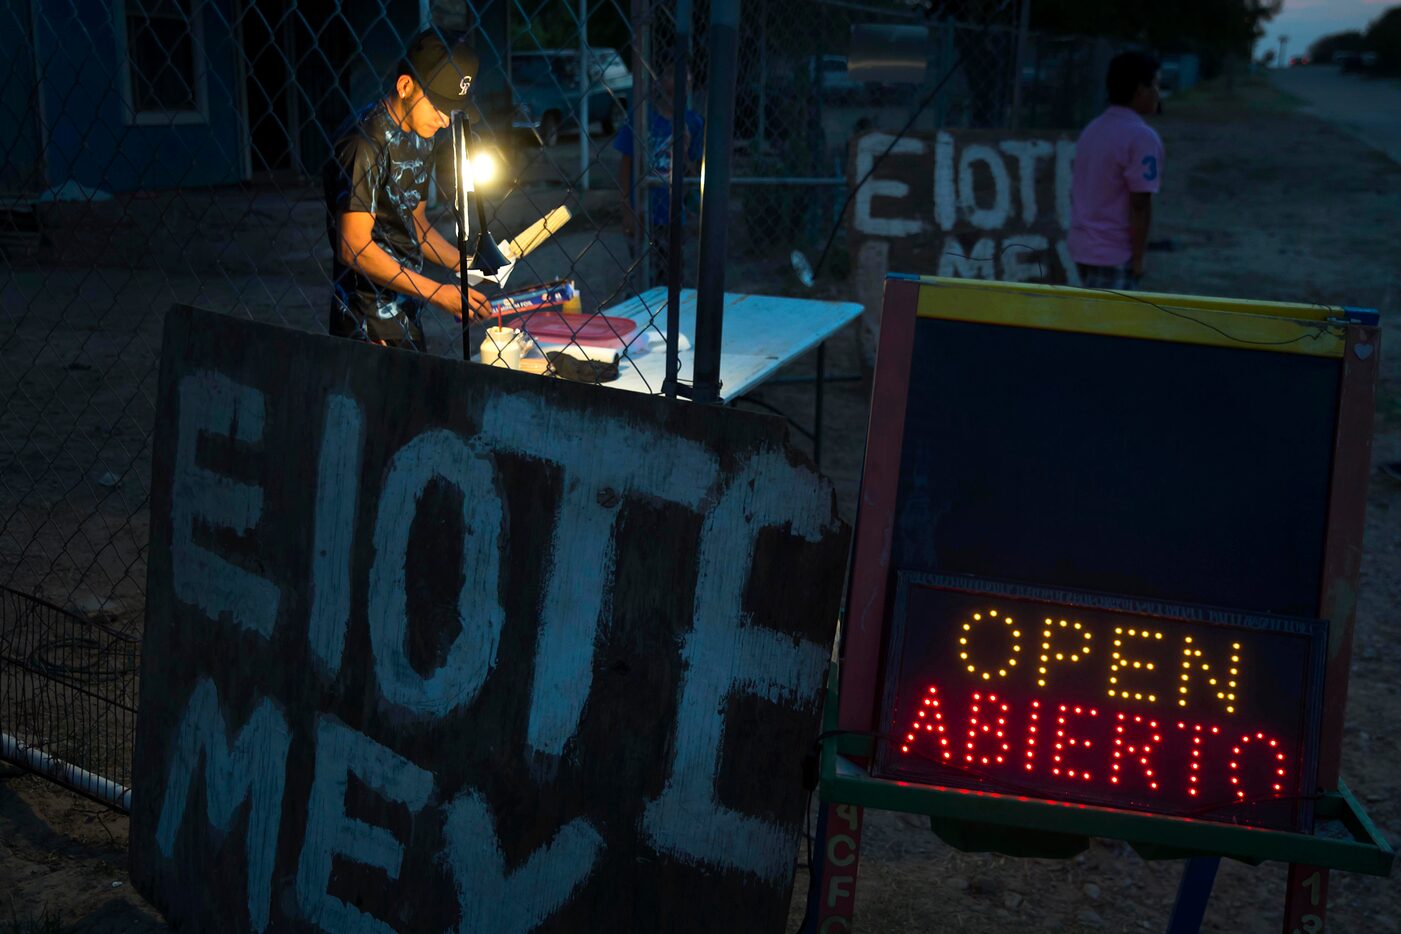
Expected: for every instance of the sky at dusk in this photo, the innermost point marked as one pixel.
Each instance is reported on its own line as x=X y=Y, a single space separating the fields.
x=1303 y=21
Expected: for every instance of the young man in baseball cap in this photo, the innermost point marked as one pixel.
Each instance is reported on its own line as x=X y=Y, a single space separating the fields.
x=376 y=184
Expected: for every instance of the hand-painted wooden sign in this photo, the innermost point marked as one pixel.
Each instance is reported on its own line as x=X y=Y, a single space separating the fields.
x=434 y=647
x=973 y=204
x=970 y=204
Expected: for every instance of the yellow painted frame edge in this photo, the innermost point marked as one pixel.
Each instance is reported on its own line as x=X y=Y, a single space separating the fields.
x=1235 y=323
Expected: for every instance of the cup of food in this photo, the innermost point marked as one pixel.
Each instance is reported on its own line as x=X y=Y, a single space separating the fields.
x=502 y=347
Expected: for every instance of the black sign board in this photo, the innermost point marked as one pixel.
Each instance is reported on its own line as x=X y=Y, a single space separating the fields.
x=1192 y=474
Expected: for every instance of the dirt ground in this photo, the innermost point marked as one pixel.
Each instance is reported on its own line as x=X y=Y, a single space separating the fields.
x=1262 y=201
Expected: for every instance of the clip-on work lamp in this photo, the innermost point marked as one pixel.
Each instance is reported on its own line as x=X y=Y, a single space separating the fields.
x=486 y=256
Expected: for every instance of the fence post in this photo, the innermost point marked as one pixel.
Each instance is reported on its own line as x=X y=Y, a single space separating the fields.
x=585 y=86
x=1019 y=62
x=641 y=14
x=715 y=197
x=761 y=129
x=681 y=53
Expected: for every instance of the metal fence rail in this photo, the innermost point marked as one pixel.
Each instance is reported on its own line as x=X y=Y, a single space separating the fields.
x=68 y=689
x=162 y=151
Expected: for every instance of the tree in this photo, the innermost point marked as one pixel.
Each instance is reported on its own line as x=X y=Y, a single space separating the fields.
x=554 y=24
x=1214 y=27
x=1384 y=38
x=1323 y=49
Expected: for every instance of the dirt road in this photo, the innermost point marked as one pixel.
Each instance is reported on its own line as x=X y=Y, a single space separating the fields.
x=1368 y=108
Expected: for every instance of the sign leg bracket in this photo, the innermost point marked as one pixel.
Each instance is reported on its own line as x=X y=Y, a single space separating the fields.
x=1193 y=892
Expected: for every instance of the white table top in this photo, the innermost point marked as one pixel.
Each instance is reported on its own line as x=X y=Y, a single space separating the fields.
x=761 y=334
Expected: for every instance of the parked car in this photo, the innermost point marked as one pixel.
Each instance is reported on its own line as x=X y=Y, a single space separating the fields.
x=1356 y=61
x=833 y=78
x=545 y=86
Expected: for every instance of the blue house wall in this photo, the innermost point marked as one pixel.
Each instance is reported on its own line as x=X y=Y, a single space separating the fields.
x=348 y=65
x=90 y=139
x=345 y=52
x=21 y=153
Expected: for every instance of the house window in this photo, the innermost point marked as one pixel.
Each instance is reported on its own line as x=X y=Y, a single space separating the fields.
x=164 y=60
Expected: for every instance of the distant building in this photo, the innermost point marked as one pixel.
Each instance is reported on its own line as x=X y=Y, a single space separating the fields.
x=121 y=95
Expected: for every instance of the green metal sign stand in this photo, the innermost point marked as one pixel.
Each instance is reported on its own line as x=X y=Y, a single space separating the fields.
x=1344 y=837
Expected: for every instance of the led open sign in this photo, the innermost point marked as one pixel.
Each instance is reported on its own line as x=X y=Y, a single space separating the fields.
x=1103 y=700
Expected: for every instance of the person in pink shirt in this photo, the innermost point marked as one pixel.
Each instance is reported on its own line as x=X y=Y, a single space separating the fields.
x=1118 y=169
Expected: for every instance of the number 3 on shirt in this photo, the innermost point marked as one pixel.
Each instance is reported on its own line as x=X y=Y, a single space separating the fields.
x=1150 y=166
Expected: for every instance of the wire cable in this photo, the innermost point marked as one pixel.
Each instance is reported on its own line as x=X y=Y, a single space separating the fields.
x=1312 y=330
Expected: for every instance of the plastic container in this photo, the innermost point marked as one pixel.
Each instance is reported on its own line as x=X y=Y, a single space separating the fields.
x=502 y=347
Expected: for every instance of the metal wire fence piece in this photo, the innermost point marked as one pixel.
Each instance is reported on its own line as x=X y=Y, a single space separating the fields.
x=68 y=690
x=162 y=151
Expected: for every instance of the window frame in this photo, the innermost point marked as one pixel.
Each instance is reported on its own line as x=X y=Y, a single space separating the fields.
x=199 y=114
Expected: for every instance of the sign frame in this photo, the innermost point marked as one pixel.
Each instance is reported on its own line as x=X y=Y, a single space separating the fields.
x=985 y=820
x=1361 y=846
x=1350 y=335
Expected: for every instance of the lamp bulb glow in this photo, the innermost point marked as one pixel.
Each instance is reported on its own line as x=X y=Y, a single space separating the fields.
x=483 y=168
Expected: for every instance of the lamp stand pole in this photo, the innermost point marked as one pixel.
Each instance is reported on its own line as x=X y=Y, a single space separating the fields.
x=715 y=197
x=677 y=195
x=461 y=167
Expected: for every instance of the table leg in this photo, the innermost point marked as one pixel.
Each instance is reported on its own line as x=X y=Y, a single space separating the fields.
x=1193 y=892
x=1306 y=900
x=817 y=405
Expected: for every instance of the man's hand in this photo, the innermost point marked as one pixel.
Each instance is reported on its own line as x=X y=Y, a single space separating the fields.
x=449 y=299
x=358 y=250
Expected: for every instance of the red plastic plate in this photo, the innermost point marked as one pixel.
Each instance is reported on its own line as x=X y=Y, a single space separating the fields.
x=554 y=327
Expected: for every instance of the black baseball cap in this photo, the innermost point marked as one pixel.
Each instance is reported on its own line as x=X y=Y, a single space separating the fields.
x=444 y=71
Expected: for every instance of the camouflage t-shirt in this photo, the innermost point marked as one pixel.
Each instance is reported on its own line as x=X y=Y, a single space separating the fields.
x=378 y=169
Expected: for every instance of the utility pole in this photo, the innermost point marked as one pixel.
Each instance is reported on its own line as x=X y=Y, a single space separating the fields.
x=1283 y=62
x=585 y=73
x=1019 y=61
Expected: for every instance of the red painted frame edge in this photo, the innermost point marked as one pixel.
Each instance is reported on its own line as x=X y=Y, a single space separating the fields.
x=1347 y=516
x=864 y=622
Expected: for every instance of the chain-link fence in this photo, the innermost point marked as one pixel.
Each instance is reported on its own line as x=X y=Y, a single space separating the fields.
x=797 y=108
x=162 y=151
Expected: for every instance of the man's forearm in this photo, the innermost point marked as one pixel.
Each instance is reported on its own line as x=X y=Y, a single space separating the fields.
x=1140 y=219
x=1138 y=233
x=437 y=249
x=382 y=269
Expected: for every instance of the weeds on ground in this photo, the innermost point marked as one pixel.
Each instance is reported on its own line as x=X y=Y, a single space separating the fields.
x=1218 y=99
x=1388 y=406
x=46 y=923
